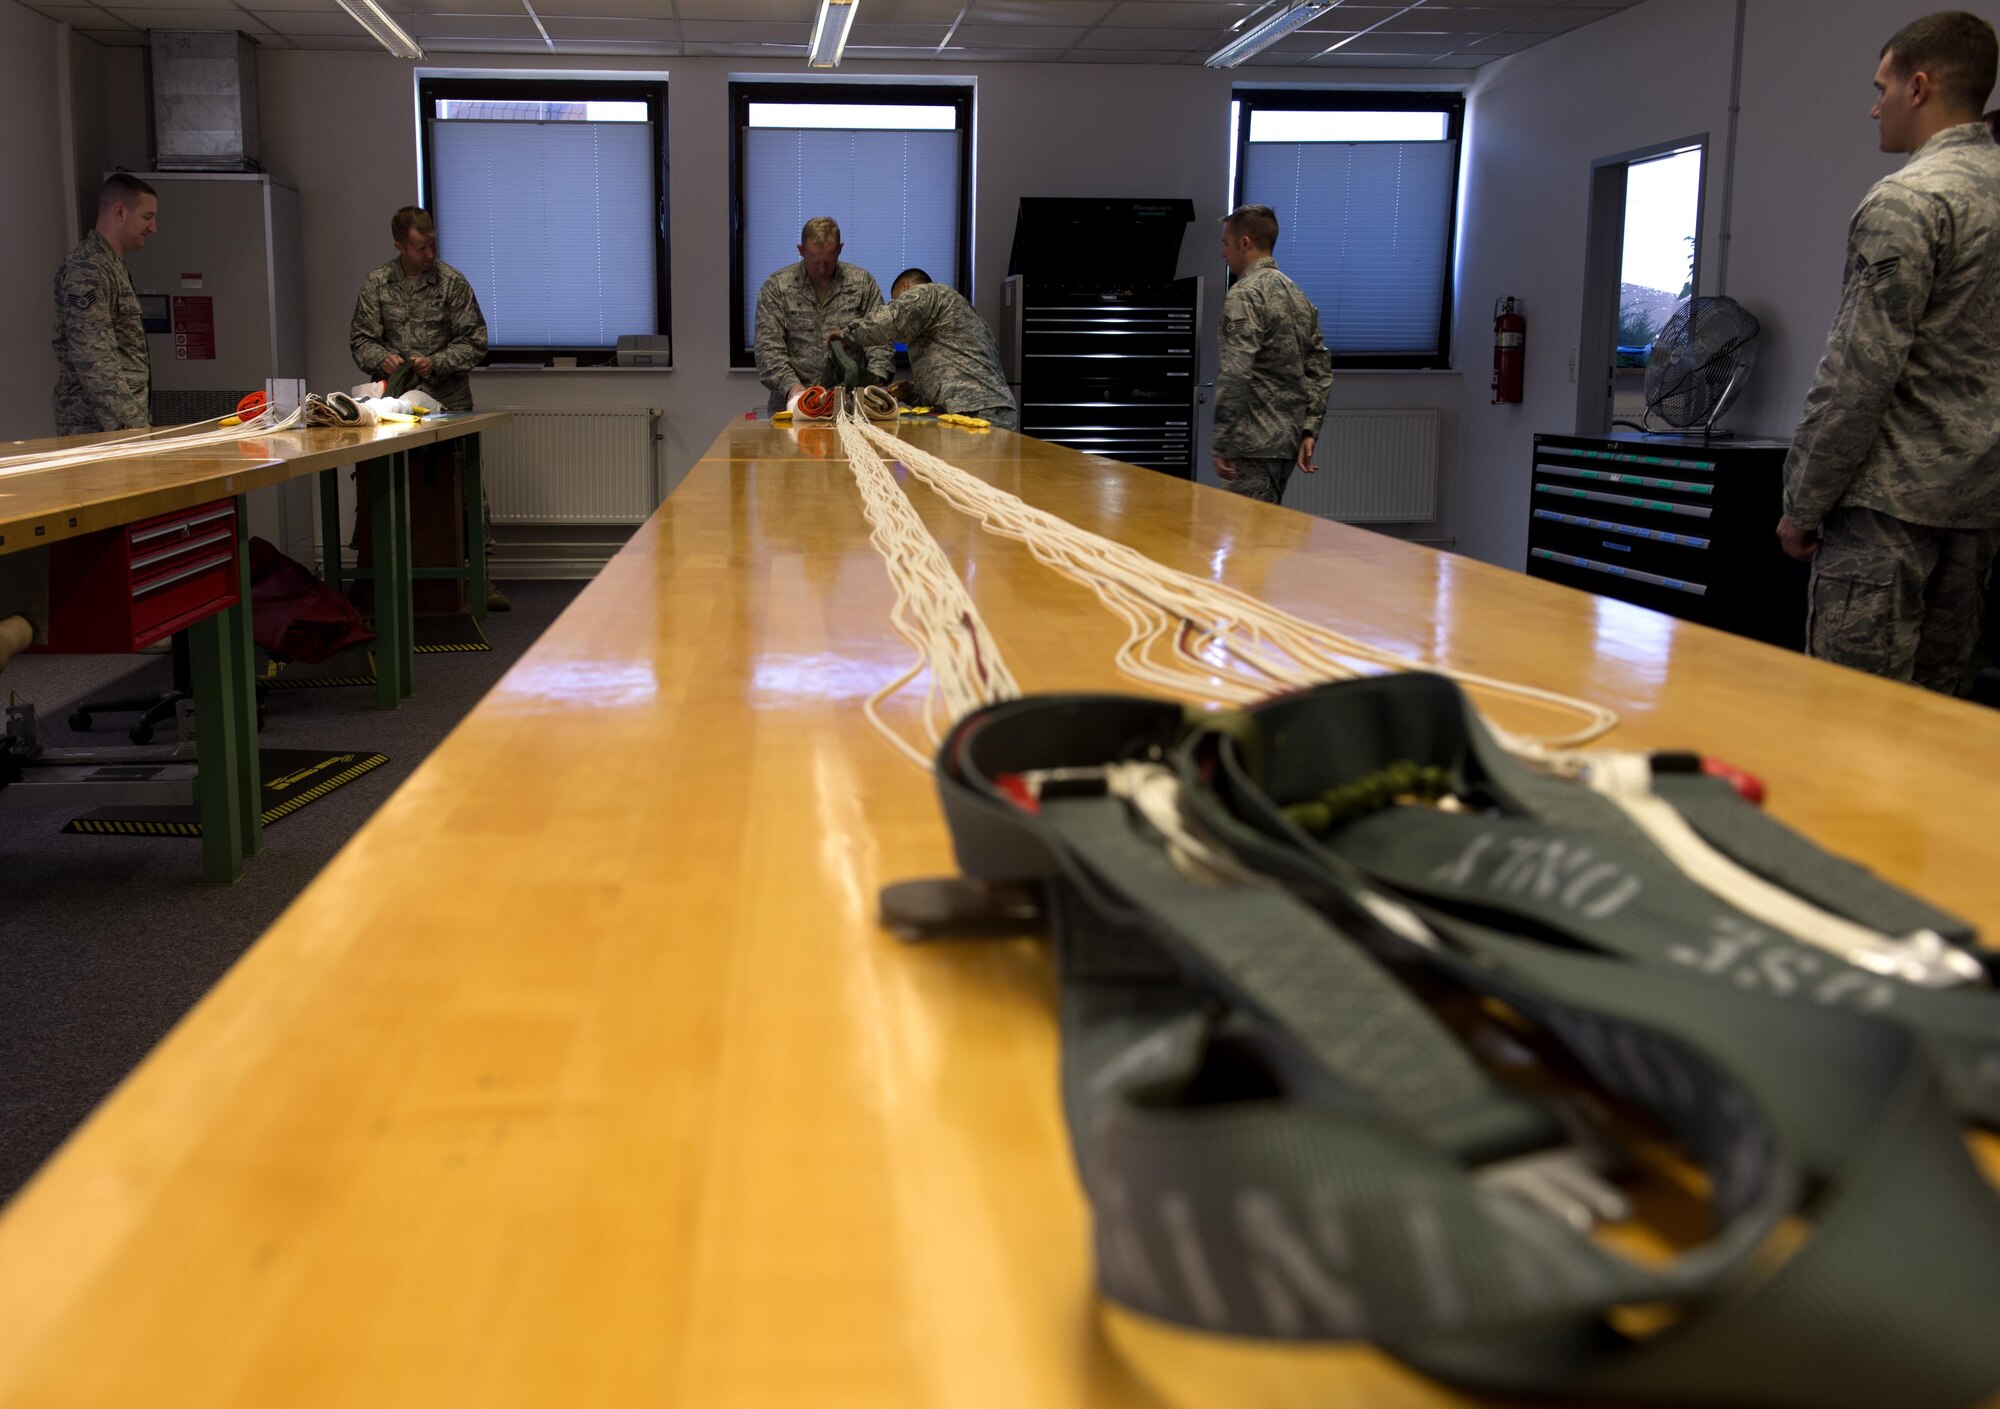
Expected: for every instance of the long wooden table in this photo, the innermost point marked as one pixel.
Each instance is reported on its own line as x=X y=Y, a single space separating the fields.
x=585 y=1075
x=45 y=506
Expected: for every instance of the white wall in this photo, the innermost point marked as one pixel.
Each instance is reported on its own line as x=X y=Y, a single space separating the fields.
x=1806 y=152
x=32 y=231
x=1042 y=130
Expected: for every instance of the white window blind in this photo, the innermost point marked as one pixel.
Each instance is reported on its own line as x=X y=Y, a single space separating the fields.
x=554 y=224
x=1365 y=231
x=894 y=193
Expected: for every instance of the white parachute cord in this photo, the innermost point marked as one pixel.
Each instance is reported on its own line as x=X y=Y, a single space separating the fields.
x=933 y=612
x=170 y=439
x=1191 y=636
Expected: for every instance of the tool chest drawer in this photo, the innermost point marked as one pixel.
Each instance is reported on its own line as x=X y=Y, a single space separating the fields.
x=124 y=588
x=1681 y=527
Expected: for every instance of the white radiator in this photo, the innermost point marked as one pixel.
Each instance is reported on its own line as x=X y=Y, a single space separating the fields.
x=1375 y=467
x=554 y=465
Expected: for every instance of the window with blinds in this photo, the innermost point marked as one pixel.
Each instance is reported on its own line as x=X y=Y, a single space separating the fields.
x=890 y=164
x=549 y=198
x=1365 y=188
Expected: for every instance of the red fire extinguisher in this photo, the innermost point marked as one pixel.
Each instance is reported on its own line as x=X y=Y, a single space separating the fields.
x=1510 y=349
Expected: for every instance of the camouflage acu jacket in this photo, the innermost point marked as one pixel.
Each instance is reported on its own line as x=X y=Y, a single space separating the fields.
x=954 y=361
x=434 y=315
x=104 y=373
x=1270 y=392
x=1904 y=416
x=793 y=321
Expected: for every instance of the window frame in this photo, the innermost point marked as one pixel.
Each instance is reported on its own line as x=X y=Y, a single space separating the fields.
x=742 y=349
x=1447 y=101
x=652 y=91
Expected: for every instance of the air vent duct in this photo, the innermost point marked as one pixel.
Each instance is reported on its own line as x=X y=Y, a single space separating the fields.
x=204 y=91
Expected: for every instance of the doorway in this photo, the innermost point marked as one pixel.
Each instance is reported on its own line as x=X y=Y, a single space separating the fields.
x=1643 y=253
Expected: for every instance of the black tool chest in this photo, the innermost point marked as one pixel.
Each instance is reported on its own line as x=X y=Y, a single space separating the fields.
x=1682 y=527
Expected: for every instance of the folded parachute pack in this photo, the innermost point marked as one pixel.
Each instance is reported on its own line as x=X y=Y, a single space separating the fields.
x=1368 y=1029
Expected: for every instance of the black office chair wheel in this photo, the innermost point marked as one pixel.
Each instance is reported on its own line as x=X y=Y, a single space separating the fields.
x=80 y=721
x=141 y=734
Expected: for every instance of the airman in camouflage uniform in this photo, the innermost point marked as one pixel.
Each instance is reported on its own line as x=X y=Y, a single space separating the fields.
x=954 y=362
x=104 y=372
x=416 y=308
x=800 y=304
x=1892 y=486
x=1270 y=394
x=419 y=309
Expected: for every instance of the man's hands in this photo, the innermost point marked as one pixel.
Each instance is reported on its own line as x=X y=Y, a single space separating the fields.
x=1226 y=468
x=1796 y=541
x=396 y=359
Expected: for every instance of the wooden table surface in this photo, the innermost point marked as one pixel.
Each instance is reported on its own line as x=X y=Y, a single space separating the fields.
x=41 y=506
x=584 y=1075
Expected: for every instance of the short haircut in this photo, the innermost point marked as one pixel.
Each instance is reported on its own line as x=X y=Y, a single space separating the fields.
x=1259 y=222
x=121 y=186
x=411 y=217
x=820 y=230
x=911 y=276
x=1956 y=49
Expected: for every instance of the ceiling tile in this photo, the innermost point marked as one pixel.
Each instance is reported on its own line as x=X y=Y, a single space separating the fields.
x=461 y=7
x=437 y=28
x=627 y=31
x=719 y=32
x=1557 y=21
x=598 y=9
x=1057 y=13
x=80 y=17
x=897 y=36
x=963 y=54
x=669 y=48
x=799 y=12
x=943 y=12
x=295 y=24
x=356 y=42
x=1015 y=36
x=1137 y=41
x=189 y=19
x=1177 y=14
x=775 y=53
x=1081 y=55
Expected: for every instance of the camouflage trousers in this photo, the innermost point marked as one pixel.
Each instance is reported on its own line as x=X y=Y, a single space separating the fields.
x=1898 y=599
x=1261 y=479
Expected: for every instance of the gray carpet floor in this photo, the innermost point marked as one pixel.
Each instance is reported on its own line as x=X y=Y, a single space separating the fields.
x=106 y=941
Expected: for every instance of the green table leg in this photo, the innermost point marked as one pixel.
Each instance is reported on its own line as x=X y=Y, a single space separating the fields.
x=329 y=527
x=218 y=790
x=406 y=582
x=474 y=489
x=242 y=682
x=386 y=508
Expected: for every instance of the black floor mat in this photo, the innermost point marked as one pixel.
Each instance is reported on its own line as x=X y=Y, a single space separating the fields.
x=292 y=778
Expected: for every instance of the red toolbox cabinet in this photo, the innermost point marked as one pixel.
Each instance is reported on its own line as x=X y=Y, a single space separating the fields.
x=124 y=588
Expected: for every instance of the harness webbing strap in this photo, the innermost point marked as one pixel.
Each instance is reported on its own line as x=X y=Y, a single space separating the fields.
x=1278 y=1138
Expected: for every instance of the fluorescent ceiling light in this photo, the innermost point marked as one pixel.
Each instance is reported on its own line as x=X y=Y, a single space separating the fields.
x=836 y=17
x=1267 y=33
x=390 y=35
